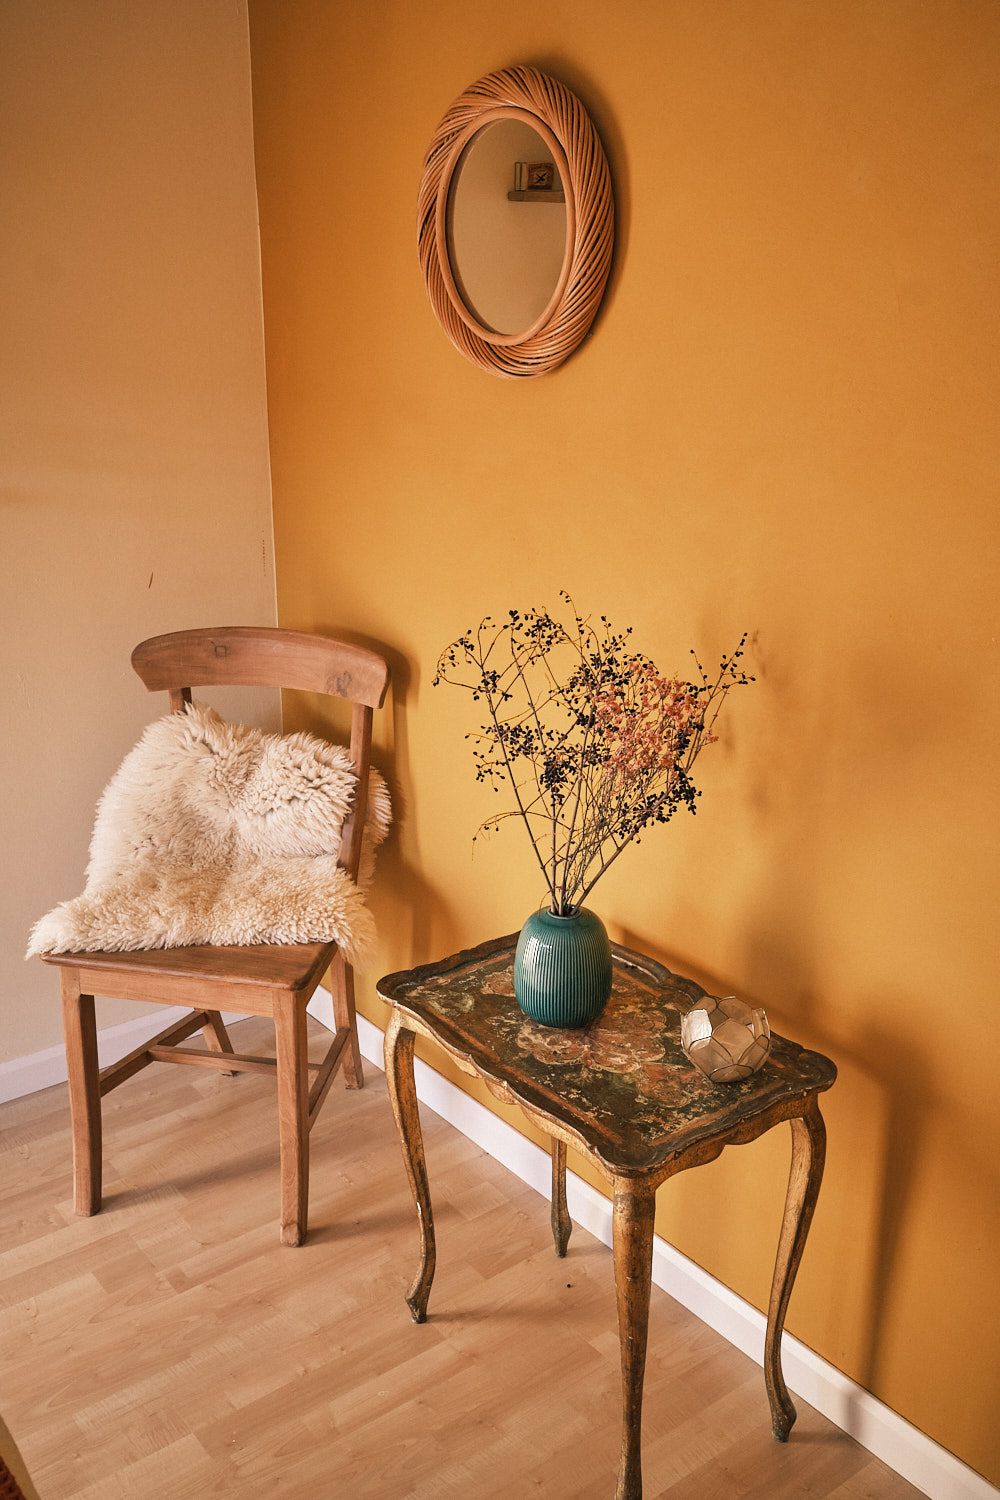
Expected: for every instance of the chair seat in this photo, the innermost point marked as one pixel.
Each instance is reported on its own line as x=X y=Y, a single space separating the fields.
x=276 y=966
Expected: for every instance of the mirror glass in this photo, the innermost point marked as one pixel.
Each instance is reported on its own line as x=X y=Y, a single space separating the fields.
x=506 y=226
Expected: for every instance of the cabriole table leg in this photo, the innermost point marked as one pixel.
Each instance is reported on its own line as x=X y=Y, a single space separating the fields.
x=562 y=1224
x=403 y=1094
x=808 y=1155
x=634 y=1207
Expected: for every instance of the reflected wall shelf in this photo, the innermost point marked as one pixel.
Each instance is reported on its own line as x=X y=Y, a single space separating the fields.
x=536 y=195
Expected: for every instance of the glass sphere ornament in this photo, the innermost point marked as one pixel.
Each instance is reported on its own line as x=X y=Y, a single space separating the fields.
x=726 y=1039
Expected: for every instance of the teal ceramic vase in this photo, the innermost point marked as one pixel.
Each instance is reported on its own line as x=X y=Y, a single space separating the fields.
x=562 y=968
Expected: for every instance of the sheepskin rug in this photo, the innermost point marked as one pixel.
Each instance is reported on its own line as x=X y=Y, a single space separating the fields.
x=217 y=833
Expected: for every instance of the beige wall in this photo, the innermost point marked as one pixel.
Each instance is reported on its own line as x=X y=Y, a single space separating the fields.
x=785 y=419
x=133 y=442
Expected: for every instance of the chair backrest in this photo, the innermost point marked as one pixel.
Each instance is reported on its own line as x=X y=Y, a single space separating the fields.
x=260 y=656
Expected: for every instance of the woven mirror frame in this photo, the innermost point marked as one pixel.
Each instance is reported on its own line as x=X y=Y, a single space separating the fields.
x=557 y=115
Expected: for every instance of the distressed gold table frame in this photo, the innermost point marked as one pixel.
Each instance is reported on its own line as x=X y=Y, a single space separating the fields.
x=621 y=1091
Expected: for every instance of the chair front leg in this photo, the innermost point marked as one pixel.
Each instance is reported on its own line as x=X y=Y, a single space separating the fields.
x=293 y=1114
x=83 y=1071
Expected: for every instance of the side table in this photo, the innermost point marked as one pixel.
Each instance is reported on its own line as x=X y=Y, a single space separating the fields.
x=622 y=1091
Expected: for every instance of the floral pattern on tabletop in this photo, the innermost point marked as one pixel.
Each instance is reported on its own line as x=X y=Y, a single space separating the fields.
x=622 y=1082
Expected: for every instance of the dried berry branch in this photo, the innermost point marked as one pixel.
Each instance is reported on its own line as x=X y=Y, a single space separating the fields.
x=594 y=741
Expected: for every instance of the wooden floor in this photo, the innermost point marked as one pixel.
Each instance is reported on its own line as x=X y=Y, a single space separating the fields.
x=172 y=1348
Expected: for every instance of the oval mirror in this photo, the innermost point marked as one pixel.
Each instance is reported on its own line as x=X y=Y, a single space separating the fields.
x=506 y=241
x=516 y=223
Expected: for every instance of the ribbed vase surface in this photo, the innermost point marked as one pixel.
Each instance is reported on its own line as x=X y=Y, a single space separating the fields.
x=562 y=968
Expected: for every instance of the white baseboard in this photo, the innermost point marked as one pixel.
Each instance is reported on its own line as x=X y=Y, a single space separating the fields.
x=911 y=1453
x=40 y=1070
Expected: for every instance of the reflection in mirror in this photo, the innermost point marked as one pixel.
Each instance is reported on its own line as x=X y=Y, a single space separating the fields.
x=506 y=256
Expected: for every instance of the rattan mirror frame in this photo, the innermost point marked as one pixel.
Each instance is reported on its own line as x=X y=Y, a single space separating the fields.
x=559 y=117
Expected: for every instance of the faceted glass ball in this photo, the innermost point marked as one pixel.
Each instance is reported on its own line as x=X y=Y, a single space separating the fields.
x=726 y=1039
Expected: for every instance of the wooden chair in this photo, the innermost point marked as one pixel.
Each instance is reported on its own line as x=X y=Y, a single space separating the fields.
x=274 y=980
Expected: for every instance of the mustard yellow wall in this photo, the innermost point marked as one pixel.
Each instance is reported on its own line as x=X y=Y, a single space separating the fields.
x=785 y=419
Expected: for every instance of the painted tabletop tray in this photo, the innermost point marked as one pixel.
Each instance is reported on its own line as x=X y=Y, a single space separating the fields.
x=621 y=1085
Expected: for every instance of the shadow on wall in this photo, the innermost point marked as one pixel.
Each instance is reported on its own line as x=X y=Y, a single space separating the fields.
x=863 y=742
x=403 y=901
x=893 y=1102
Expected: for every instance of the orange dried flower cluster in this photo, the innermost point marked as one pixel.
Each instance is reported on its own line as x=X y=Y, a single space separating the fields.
x=647 y=723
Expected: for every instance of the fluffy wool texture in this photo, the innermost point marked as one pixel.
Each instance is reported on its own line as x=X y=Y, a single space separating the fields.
x=217 y=833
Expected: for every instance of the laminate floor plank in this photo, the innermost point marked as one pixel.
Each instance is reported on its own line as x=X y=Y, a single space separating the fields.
x=171 y=1349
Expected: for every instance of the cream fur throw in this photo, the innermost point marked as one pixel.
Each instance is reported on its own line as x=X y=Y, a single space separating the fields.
x=215 y=833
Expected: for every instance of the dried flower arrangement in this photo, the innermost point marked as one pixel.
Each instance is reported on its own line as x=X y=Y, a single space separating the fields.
x=596 y=743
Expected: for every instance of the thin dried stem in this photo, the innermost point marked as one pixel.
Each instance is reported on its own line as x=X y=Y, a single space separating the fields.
x=595 y=744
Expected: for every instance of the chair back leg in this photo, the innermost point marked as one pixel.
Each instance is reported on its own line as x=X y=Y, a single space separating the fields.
x=293 y=1112
x=216 y=1036
x=345 y=1015
x=80 y=1030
